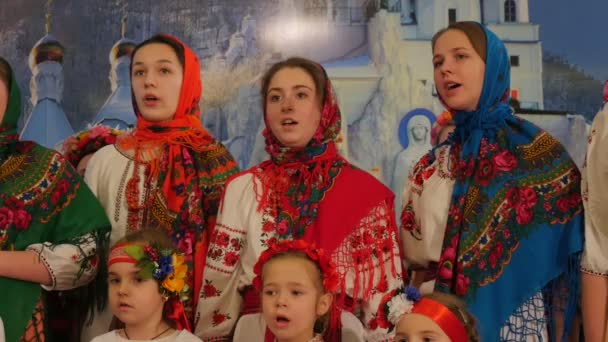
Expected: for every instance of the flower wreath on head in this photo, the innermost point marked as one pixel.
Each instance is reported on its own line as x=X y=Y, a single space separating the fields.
x=331 y=278
x=408 y=300
x=167 y=267
x=329 y=274
x=164 y=265
x=89 y=141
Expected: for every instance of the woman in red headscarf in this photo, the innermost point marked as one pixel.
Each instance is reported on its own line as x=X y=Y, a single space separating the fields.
x=169 y=173
x=305 y=191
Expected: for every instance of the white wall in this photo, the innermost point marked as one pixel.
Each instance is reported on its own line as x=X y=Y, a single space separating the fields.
x=527 y=77
x=433 y=15
x=490 y=11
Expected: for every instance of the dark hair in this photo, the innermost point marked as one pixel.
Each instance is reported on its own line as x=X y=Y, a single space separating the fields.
x=162 y=39
x=457 y=307
x=313 y=69
x=147 y=236
x=473 y=30
x=6 y=73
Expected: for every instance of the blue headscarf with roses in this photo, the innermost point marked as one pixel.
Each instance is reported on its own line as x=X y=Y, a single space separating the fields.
x=515 y=224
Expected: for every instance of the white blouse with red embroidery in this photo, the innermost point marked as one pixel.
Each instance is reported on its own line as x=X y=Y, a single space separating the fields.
x=236 y=243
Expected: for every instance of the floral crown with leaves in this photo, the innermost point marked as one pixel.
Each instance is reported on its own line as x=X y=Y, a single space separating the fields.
x=331 y=278
x=406 y=300
x=164 y=265
x=89 y=141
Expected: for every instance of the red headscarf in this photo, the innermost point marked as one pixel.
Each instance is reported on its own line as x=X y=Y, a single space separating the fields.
x=189 y=171
x=182 y=133
x=315 y=194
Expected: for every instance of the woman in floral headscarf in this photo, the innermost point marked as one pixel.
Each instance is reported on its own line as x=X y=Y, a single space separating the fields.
x=305 y=191
x=53 y=232
x=494 y=214
x=168 y=173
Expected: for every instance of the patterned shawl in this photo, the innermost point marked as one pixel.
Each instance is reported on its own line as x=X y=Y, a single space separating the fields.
x=314 y=194
x=515 y=222
x=190 y=174
x=42 y=199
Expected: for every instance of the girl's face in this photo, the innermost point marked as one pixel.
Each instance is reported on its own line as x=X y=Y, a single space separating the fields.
x=418 y=328
x=459 y=71
x=133 y=300
x=292 y=298
x=3 y=99
x=156 y=79
x=293 y=109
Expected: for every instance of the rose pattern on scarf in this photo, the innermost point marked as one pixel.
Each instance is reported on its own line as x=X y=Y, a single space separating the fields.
x=529 y=201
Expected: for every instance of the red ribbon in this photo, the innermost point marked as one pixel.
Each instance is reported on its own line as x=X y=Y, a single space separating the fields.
x=118 y=254
x=174 y=311
x=440 y=314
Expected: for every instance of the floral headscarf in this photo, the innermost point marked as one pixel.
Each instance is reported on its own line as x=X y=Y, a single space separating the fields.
x=516 y=205
x=295 y=179
x=189 y=174
x=42 y=200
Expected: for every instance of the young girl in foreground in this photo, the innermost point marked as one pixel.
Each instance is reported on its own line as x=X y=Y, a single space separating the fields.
x=297 y=282
x=436 y=317
x=146 y=289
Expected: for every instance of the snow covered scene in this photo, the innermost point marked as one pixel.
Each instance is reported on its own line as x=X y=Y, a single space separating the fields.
x=376 y=52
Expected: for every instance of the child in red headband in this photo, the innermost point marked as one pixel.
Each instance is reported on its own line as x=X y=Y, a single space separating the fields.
x=297 y=282
x=437 y=316
x=146 y=279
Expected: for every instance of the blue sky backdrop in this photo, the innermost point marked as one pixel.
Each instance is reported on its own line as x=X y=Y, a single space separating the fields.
x=575 y=29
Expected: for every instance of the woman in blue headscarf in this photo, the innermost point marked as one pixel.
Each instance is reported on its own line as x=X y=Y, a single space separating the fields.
x=494 y=214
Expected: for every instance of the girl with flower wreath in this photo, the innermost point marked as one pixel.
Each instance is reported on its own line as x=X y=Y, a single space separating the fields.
x=438 y=317
x=53 y=231
x=146 y=282
x=494 y=214
x=297 y=283
x=305 y=191
x=79 y=148
x=168 y=173
x=594 y=263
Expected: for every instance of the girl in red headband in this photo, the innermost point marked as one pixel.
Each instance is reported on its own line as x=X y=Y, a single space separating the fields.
x=437 y=316
x=297 y=282
x=146 y=282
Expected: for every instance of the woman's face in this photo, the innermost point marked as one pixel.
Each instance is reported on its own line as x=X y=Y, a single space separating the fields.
x=156 y=78
x=293 y=109
x=3 y=100
x=459 y=71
